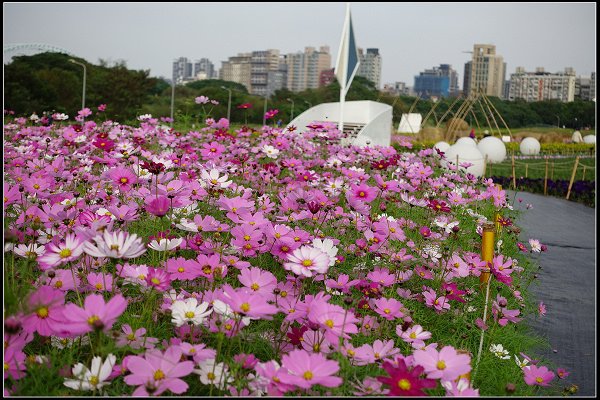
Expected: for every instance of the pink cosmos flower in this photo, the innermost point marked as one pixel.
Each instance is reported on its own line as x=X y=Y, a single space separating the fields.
x=158 y=372
x=562 y=373
x=95 y=314
x=446 y=364
x=363 y=192
x=389 y=309
x=368 y=354
x=62 y=253
x=336 y=320
x=259 y=281
x=212 y=150
x=404 y=381
x=47 y=306
x=158 y=279
x=439 y=303
x=135 y=340
x=245 y=302
x=123 y=178
x=343 y=283
x=535 y=375
x=158 y=205
x=307 y=261
x=415 y=335
x=182 y=269
x=542 y=308
x=305 y=370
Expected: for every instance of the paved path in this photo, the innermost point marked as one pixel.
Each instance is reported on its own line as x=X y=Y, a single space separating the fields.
x=567 y=283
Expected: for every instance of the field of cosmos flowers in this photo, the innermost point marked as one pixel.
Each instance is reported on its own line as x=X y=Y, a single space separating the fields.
x=140 y=260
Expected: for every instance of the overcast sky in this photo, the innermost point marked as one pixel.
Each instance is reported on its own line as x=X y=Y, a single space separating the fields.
x=411 y=37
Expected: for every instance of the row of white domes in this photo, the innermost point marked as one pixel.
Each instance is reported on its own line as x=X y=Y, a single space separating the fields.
x=467 y=150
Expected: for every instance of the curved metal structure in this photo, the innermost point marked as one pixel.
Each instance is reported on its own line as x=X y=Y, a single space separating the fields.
x=15 y=48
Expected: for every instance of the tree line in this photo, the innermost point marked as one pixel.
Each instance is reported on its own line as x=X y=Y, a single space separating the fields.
x=49 y=82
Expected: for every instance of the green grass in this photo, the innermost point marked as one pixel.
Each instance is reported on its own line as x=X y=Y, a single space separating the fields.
x=558 y=168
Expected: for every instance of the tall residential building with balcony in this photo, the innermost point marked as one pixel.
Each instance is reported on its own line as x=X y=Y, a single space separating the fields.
x=304 y=69
x=541 y=85
x=266 y=73
x=440 y=81
x=370 y=66
x=204 y=69
x=238 y=69
x=486 y=71
x=182 y=70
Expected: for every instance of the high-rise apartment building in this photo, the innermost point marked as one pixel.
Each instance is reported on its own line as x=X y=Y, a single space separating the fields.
x=304 y=69
x=265 y=72
x=440 y=81
x=585 y=87
x=370 y=66
x=182 y=70
x=204 y=69
x=541 y=85
x=238 y=69
x=485 y=72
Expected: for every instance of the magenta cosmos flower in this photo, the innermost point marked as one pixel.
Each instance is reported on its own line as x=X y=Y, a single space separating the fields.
x=307 y=261
x=156 y=372
x=96 y=314
x=389 y=309
x=123 y=177
x=404 y=381
x=535 y=375
x=47 y=305
x=363 y=192
x=447 y=364
x=305 y=370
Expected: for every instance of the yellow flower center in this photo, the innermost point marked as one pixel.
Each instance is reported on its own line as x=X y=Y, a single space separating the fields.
x=351 y=352
x=255 y=286
x=387 y=311
x=36 y=186
x=245 y=307
x=99 y=286
x=58 y=284
x=404 y=384
x=158 y=375
x=441 y=365
x=362 y=194
x=329 y=323
x=94 y=380
x=277 y=235
x=131 y=336
x=246 y=237
x=93 y=319
x=180 y=269
x=456 y=265
x=308 y=375
x=6 y=366
x=539 y=379
x=42 y=312
x=156 y=281
x=124 y=180
x=307 y=263
x=64 y=253
x=114 y=247
x=228 y=327
x=248 y=246
x=283 y=293
x=412 y=335
x=377 y=356
x=189 y=314
x=211 y=376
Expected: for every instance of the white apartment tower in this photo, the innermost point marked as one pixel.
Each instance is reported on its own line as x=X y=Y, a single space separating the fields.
x=541 y=85
x=370 y=66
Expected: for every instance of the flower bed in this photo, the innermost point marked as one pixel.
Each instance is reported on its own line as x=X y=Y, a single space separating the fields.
x=144 y=261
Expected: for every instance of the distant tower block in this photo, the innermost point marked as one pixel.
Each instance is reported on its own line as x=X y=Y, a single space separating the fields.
x=410 y=123
x=366 y=123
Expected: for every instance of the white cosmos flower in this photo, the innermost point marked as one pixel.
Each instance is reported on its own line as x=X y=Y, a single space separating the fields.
x=270 y=151
x=226 y=312
x=326 y=246
x=165 y=244
x=212 y=373
x=93 y=378
x=307 y=260
x=522 y=364
x=188 y=310
x=187 y=225
x=115 y=245
x=32 y=250
x=213 y=180
x=499 y=351
x=144 y=117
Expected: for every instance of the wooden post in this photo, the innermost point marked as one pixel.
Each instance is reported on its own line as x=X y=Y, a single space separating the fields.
x=457 y=163
x=485 y=161
x=572 y=177
x=487 y=253
x=513 y=173
x=526 y=169
x=546 y=178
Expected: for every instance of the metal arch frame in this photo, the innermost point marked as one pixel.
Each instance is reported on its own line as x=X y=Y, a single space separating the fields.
x=14 y=47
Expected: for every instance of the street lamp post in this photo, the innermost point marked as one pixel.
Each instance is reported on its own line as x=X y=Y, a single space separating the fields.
x=575 y=124
x=84 y=76
x=172 y=99
x=558 y=123
x=228 y=103
x=292 y=101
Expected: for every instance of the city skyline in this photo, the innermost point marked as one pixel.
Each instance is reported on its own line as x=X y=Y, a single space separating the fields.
x=410 y=37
